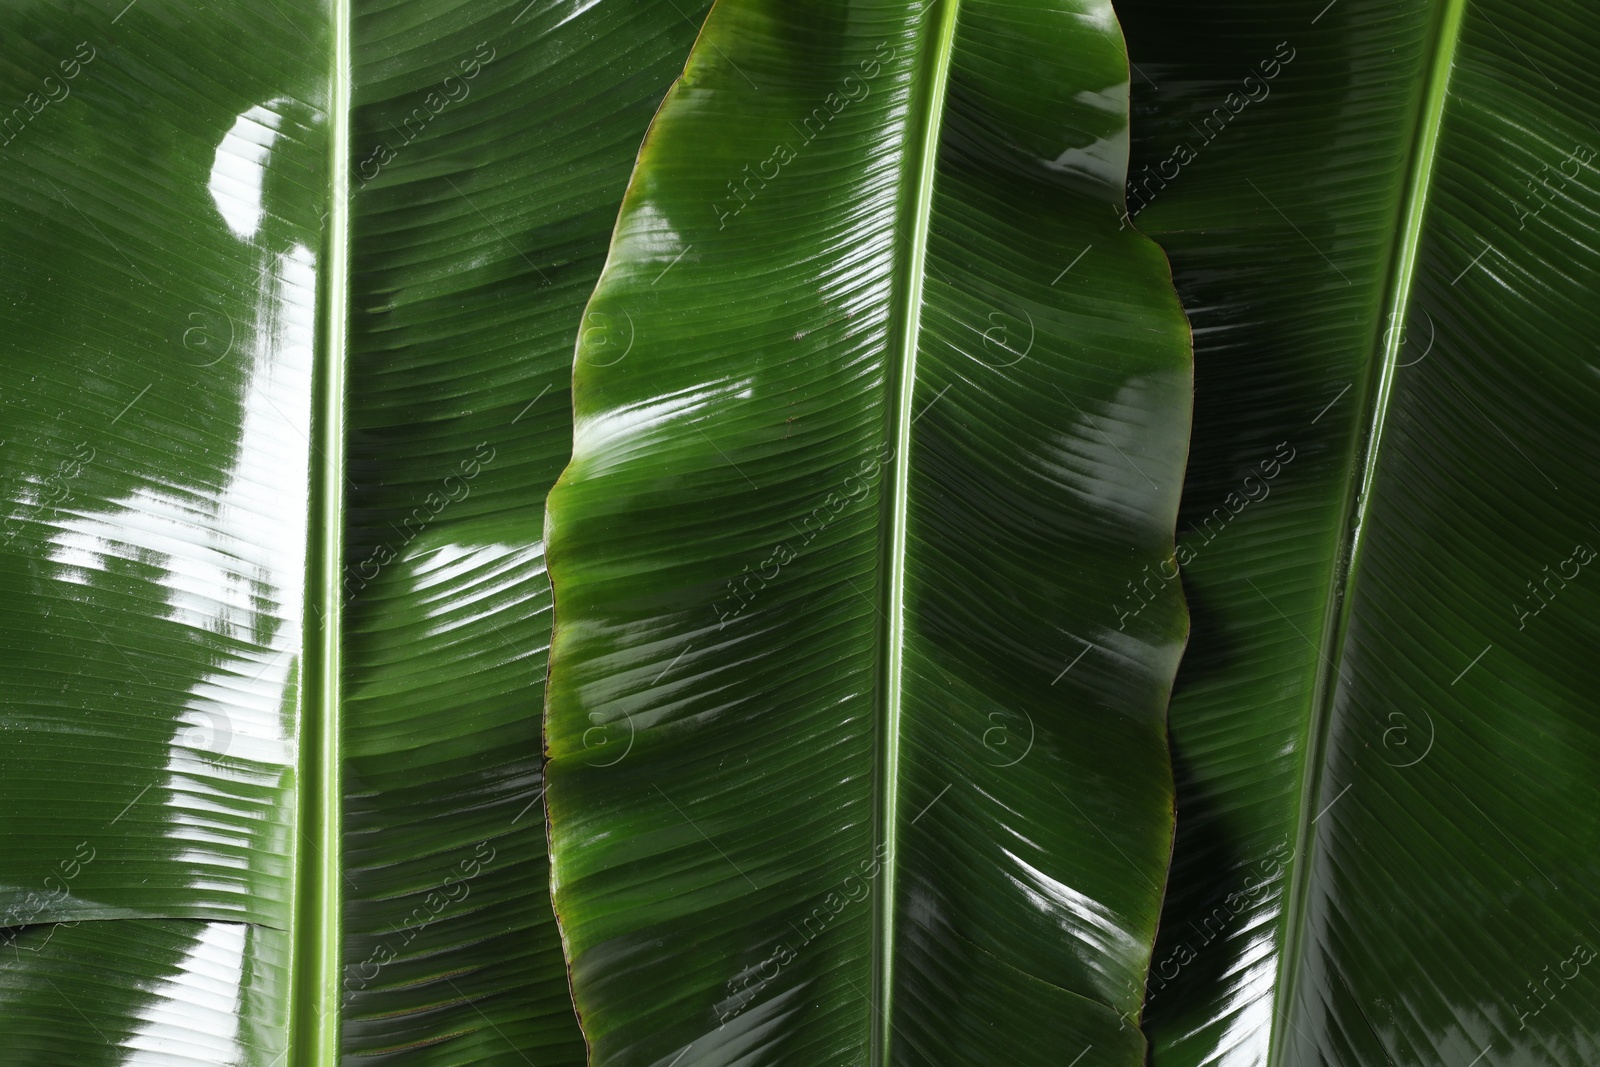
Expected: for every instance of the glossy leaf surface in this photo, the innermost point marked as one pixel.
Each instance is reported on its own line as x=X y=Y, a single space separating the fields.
x=1383 y=219
x=856 y=728
x=144 y=993
x=273 y=647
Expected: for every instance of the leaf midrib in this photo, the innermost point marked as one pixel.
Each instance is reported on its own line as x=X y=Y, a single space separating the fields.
x=314 y=1024
x=938 y=77
x=1346 y=565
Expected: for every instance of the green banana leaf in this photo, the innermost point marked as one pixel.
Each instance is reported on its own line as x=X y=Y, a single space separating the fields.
x=858 y=685
x=291 y=293
x=1384 y=219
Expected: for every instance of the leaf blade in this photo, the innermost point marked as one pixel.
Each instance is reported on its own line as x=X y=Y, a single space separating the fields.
x=1410 y=828
x=190 y=535
x=723 y=596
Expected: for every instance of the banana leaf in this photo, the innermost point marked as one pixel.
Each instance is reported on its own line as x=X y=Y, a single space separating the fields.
x=856 y=717
x=291 y=293
x=1383 y=219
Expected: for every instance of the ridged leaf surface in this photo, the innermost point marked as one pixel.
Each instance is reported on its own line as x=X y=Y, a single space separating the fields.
x=1383 y=219
x=856 y=734
x=292 y=290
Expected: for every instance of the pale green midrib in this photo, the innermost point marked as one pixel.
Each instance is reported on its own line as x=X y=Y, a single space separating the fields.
x=1336 y=619
x=922 y=210
x=317 y=939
